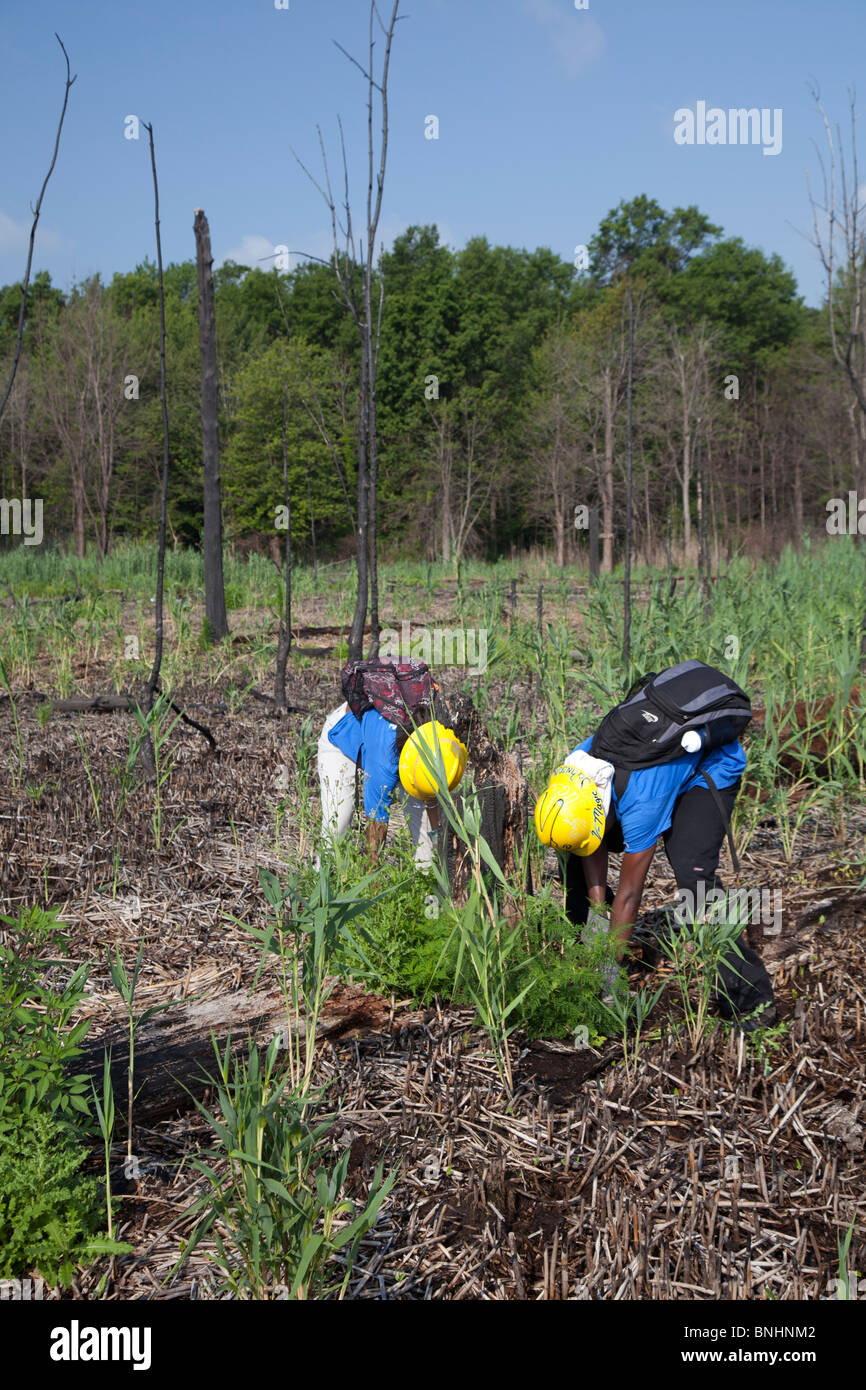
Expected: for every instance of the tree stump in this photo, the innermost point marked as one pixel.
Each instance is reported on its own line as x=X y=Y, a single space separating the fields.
x=503 y=797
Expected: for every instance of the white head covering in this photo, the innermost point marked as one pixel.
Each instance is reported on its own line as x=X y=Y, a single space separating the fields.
x=600 y=772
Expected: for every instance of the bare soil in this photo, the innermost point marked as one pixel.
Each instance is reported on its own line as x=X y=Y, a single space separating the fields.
x=728 y=1173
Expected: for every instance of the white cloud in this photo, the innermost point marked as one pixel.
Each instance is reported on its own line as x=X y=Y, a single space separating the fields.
x=255 y=251
x=576 y=37
x=15 y=235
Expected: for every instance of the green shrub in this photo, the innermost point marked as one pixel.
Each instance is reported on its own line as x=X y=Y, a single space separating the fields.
x=50 y=1213
x=566 y=974
x=406 y=947
x=36 y=1042
x=409 y=945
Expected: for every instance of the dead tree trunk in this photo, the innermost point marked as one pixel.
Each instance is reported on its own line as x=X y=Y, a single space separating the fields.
x=285 y=642
x=503 y=797
x=629 y=468
x=214 y=589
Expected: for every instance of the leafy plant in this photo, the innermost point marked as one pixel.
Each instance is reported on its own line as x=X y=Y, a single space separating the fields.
x=105 y=1119
x=157 y=725
x=95 y=792
x=696 y=951
x=304 y=933
x=50 y=1213
x=126 y=986
x=843 y=1246
x=36 y=1041
x=276 y=1212
x=623 y=1008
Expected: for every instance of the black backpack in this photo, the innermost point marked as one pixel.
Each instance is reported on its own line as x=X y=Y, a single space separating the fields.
x=646 y=729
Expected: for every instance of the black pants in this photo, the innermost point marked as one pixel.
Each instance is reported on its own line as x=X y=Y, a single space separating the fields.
x=692 y=844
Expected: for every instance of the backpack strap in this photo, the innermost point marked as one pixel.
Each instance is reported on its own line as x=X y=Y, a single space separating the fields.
x=621 y=776
x=620 y=781
x=726 y=820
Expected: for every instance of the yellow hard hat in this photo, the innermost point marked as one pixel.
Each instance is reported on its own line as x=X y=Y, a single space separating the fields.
x=570 y=813
x=416 y=775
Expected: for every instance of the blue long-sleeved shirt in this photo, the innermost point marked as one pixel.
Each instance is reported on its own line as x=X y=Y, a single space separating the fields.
x=646 y=808
x=372 y=740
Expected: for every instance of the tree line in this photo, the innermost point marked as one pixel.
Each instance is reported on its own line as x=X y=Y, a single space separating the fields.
x=500 y=398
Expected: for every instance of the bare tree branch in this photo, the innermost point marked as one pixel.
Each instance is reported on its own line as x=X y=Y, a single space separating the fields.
x=36 y=211
x=369 y=326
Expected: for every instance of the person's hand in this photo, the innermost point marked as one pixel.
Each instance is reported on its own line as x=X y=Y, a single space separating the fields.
x=597 y=923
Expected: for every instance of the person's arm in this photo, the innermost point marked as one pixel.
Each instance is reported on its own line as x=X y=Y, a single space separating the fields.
x=381 y=769
x=595 y=873
x=623 y=914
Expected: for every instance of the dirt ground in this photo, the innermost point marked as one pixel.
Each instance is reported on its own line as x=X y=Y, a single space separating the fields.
x=727 y=1173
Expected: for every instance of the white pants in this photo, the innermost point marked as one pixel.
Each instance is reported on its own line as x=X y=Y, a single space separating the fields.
x=337 y=786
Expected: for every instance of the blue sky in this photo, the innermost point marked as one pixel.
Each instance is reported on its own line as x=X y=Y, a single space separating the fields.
x=548 y=117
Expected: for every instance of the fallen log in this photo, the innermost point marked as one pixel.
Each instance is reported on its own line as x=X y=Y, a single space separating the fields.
x=91 y=704
x=108 y=704
x=174 y=1049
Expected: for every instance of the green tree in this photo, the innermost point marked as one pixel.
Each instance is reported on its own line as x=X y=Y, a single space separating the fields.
x=750 y=296
x=654 y=243
x=252 y=459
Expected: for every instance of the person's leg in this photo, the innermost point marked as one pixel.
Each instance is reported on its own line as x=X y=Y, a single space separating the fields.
x=424 y=837
x=336 y=782
x=693 y=843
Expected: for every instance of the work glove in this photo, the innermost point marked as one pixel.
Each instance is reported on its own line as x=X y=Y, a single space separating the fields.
x=597 y=923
